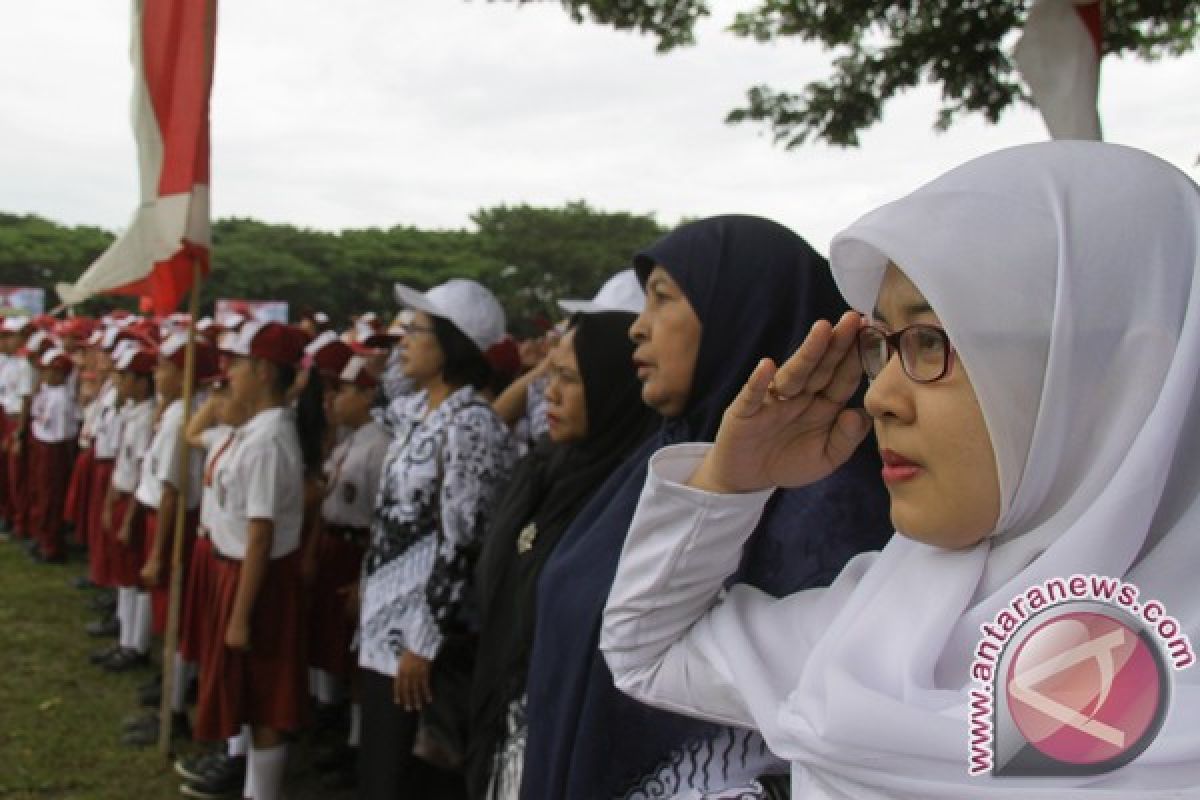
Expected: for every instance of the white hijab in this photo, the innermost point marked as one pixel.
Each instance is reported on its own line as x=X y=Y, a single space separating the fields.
x=1066 y=276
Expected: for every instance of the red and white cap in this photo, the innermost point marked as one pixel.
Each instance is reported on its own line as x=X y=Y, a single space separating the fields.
x=270 y=341
x=57 y=358
x=17 y=324
x=394 y=333
x=328 y=354
x=174 y=349
x=39 y=342
x=468 y=305
x=357 y=373
x=138 y=360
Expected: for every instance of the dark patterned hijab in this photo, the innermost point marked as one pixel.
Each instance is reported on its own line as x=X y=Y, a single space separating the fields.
x=757 y=289
x=549 y=488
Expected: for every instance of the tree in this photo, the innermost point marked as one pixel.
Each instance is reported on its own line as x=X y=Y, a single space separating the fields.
x=552 y=253
x=882 y=47
x=528 y=256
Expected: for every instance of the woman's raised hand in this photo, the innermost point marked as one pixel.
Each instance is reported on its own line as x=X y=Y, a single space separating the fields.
x=789 y=426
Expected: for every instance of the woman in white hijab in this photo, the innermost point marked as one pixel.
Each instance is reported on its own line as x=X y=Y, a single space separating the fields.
x=1050 y=431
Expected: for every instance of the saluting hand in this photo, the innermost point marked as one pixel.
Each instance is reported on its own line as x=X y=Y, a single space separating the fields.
x=790 y=426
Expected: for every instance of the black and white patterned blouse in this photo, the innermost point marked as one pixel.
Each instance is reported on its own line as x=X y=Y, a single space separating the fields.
x=442 y=476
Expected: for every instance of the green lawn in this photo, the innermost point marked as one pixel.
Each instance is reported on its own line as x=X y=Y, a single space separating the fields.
x=60 y=716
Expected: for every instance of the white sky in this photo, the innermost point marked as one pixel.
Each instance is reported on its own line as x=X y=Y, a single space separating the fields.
x=383 y=112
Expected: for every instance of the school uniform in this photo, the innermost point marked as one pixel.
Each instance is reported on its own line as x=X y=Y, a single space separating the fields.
x=261 y=477
x=79 y=490
x=106 y=440
x=18 y=380
x=137 y=429
x=160 y=466
x=352 y=474
x=5 y=509
x=195 y=626
x=54 y=424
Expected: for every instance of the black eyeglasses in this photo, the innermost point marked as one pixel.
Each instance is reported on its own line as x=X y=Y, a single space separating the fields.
x=925 y=351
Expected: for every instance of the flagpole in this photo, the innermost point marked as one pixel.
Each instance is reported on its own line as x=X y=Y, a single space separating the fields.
x=171 y=641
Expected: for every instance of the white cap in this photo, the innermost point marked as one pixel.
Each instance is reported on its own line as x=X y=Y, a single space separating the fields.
x=121 y=348
x=468 y=305
x=37 y=339
x=231 y=319
x=621 y=292
x=356 y=372
x=15 y=324
x=318 y=344
x=52 y=355
x=174 y=343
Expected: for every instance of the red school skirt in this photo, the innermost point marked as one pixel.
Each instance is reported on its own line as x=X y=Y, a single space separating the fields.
x=98 y=547
x=6 y=428
x=79 y=496
x=160 y=595
x=266 y=685
x=125 y=560
x=196 y=621
x=18 y=501
x=330 y=630
x=49 y=473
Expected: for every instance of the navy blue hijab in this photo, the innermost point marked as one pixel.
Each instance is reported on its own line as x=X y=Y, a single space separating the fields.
x=757 y=288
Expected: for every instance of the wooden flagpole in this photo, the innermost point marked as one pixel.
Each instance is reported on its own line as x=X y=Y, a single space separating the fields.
x=171 y=640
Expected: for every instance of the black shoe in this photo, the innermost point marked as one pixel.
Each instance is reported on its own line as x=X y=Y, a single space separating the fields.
x=332 y=759
x=143 y=731
x=342 y=779
x=150 y=696
x=226 y=778
x=82 y=582
x=104 y=601
x=98 y=657
x=194 y=767
x=39 y=557
x=125 y=660
x=103 y=627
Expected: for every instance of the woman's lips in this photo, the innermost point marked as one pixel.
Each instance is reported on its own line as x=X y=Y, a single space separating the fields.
x=640 y=367
x=897 y=468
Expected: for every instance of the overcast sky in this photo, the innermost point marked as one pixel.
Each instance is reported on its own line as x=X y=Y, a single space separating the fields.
x=383 y=112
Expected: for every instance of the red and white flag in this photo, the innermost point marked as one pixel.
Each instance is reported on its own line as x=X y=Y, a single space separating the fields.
x=172 y=54
x=1058 y=55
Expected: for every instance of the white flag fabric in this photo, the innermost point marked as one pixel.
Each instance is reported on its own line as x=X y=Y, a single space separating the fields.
x=1058 y=55
x=172 y=54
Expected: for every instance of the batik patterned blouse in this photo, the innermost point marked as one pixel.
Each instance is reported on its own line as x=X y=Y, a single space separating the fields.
x=444 y=472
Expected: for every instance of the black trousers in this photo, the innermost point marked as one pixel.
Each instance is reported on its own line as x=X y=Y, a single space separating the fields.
x=385 y=747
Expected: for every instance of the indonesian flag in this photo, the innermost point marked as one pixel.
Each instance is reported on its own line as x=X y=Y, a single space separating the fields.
x=1059 y=57
x=172 y=56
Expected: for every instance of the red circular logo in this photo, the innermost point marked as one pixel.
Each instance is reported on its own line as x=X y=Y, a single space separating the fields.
x=1085 y=688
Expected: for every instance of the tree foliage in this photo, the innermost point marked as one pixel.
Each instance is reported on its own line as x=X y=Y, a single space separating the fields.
x=528 y=256
x=883 y=47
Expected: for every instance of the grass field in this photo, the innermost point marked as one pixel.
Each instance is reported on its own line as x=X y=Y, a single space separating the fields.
x=60 y=717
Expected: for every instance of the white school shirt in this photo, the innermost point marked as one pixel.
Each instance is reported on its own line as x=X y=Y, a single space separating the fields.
x=352 y=474
x=217 y=442
x=262 y=477
x=107 y=426
x=54 y=415
x=18 y=383
x=137 y=428
x=161 y=464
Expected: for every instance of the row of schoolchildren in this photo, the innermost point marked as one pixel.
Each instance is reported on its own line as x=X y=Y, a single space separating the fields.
x=290 y=437
x=423 y=528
